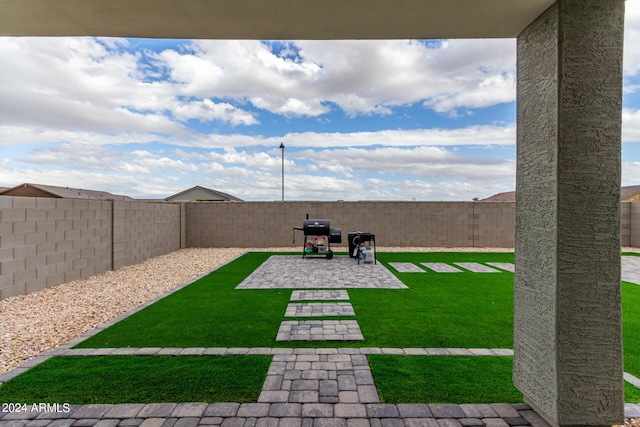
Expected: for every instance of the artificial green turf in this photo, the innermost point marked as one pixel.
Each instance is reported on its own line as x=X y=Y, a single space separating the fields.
x=439 y=310
x=140 y=379
x=444 y=379
x=207 y=313
x=631 y=327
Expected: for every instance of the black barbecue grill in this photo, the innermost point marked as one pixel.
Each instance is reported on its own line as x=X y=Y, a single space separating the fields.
x=323 y=235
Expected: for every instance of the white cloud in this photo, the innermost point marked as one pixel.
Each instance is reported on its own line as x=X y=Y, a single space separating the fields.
x=206 y=110
x=630 y=125
x=360 y=76
x=632 y=38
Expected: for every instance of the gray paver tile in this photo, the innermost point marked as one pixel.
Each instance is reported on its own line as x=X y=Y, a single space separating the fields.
x=187 y=422
x=61 y=423
x=147 y=351
x=359 y=422
x=471 y=422
x=211 y=421
x=415 y=351
x=157 y=410
x=304 y=396
x=170 y=422
x=267 y=422
x=382 y=410
x=86 y=422
x=406 y=267
x=441 y=267
x=107 y=423
x=392 y=422
x=19 y=415
x=516 y=421
x=250 y=422
x=508 y=266
x=92 y=411
x=285 y=410
x=350 y=410
x=189 y=410
x=222 y=409
x=414 y=410
x=479 y=411
x=348 y=397
x=632 y=379
x=233 y=422
x=494 y=422
x=448 y=422
x=131 y=422
x=368 y=394
x=477 y=267
x=329 y=422
x=13 y=423
x=39 y=423
x=505 y=410
x=290 y=422
x=254 y=410
x=314 y=410
x=274 y=396
x=447 y=411
x=124 y=410
x=420 y=422
x=534 y=419
x=631 y=410
x=153 y=422
x=170 y=351
x=481 y=351
x=214 y=351
x=192 y=351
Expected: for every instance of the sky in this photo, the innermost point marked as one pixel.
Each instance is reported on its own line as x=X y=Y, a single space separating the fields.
x=360 y=120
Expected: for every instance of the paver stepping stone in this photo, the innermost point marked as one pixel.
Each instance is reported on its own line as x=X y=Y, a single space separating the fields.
x=341 y=272
x=319 y=295
x=318 y=381
x=476 y=267
x=503 y=265
x=319 y=309
x=441 y=267
x=631 y=269
x=319 y=330
x=406 y=267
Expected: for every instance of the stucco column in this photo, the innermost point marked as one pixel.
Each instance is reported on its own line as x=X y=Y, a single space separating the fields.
x=567 y=332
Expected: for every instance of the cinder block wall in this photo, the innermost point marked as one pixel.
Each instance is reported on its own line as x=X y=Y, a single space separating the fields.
x=142 y=230
x=45 y=242
x=634 y=233
x=625 y=223
x=263 y=224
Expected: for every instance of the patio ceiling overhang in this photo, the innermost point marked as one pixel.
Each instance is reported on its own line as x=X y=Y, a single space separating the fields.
x=270 y=19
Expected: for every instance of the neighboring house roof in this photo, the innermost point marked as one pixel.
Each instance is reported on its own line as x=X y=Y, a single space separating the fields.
x=198 y=193
x=508 y=196
x=3 y=189
x=38 y=190
x=626 y=193
x=629 y=191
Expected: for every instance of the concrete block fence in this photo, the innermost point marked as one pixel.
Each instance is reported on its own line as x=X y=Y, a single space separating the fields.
x=45 y=242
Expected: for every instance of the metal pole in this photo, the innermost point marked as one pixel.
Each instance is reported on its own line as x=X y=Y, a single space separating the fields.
x=282 y=148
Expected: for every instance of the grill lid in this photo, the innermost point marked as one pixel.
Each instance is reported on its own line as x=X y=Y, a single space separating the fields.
x=316 y=227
